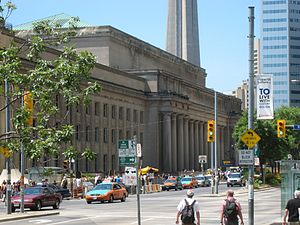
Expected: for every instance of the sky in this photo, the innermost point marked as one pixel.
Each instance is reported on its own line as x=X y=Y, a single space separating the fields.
x=223 y=28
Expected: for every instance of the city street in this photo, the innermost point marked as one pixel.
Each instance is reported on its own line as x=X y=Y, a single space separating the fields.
x=159 y=209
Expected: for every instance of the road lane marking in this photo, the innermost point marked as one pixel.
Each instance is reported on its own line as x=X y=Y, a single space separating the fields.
x=40 y=221
x=143 y=220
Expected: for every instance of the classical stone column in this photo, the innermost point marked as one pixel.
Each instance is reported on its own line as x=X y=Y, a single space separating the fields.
x=197 y=144
x=192 y=145
x=174 y=142
x=167 y=150
x=180 y=142
x=186 y=143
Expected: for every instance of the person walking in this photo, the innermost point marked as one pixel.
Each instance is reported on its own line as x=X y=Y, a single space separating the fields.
x=230 y=210
x=187 y=208
x=291 y=210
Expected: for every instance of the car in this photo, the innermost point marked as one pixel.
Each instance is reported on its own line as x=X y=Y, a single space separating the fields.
x=65 y=192
x=127 y=187
x=37 y=197
x=236 y=179
x=172 y=184
x=106 y=191
x=202 y=181
x=189 y=182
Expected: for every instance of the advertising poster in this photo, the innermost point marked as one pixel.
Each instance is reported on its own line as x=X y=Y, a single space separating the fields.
x=264 y=97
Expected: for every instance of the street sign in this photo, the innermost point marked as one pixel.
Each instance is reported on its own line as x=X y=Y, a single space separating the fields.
x=130 y=176
x=227 y=163
x=250 y=138
x=139 y=150
x=124 y=161
x=5 y=151
x=126 y=153
x=296 y=127
x=202 y=158
x=246 y=157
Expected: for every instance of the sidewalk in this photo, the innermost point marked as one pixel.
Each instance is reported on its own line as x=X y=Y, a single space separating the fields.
x=27 y=214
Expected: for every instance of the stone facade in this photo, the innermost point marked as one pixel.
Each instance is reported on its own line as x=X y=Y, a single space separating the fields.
x=149 y=93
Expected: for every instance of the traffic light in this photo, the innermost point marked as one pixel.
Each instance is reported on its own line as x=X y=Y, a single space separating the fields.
x=281 y=128
x=211 y=131
x=28 y=105
x=66 y=164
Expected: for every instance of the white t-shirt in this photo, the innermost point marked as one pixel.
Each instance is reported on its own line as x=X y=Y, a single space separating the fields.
x=181 y=205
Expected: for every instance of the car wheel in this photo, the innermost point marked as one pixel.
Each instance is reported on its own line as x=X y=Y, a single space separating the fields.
x=168 y=189
x=38 y=205
x=102 y=201
x=124 y=198
x=56 y=204
x=88 y=202
x=111 y=199
x=227 y=185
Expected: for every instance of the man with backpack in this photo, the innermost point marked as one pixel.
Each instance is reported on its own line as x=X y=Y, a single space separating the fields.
x=292 y=210
x=187 y=209
x=231 y=210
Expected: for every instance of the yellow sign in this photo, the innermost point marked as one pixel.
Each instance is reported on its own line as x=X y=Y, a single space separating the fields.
x=5 y=151
x=250 y=138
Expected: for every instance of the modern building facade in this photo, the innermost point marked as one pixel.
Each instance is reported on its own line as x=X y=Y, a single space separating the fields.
x=280 y=49
x=182 y=30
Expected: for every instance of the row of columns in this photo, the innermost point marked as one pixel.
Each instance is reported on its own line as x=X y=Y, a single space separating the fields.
x=184 y=139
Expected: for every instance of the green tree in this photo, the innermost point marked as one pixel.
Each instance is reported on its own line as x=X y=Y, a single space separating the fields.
x=64 y=76
x=270 y=147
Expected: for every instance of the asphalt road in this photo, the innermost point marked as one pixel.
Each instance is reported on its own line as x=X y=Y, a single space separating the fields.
x=159 y=209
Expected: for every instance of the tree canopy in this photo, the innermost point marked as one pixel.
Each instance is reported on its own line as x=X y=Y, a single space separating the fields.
x=53 y=83
x=270 y=147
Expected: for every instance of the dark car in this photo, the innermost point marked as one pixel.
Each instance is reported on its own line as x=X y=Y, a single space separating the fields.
x=37 y=197
x=172 y=184
x=127 y=187
x=65 y=192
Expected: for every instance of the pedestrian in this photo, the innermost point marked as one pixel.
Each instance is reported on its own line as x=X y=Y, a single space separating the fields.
x=291 y=210
x=230 y=210
x=64 y=182
x=187 y=208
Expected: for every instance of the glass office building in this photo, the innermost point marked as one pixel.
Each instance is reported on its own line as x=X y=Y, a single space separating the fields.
x=280 y=49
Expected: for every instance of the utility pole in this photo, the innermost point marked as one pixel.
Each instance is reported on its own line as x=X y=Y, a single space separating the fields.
x=8 y=159
x=137 y=162
x=250 y=113
x=22 y=170
x=216 y=144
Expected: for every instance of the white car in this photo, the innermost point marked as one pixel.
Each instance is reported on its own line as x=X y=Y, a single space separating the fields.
x=235 y=179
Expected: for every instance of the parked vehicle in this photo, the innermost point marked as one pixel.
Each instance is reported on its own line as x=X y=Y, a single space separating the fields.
x=172 y=184
x=202 y=181
x=109 y=191
x=37 y=197
x=189 y=182
x=235 y=179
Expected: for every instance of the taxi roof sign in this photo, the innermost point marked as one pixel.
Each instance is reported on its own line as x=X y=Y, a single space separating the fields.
x=250 y=138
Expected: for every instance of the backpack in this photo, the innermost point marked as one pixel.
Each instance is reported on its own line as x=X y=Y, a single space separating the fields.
x=187 y=214
x=231 y=209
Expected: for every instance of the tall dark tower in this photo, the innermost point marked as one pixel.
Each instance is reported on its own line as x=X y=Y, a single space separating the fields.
x=182 y=30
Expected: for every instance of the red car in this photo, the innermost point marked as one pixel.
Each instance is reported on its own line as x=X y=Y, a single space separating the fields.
x=37 y=197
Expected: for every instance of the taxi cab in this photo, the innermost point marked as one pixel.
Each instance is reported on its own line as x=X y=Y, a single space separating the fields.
x=106 y=191
x=172 y=183
x=189 y=182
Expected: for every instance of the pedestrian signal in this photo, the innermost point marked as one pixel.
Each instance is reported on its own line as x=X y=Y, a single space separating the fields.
x=66 y=164
x=281 y=128
x=211 y=131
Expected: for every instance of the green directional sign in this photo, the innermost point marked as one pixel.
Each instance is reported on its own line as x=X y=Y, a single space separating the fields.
x=125 y=161
x=124 y=144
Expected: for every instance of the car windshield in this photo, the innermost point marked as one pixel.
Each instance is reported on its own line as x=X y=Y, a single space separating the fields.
x=33 y=191
x=208 y=177
x=170 y=181
x=103 y=187
x=186 y=179
x=235 y=175
x=200 y=178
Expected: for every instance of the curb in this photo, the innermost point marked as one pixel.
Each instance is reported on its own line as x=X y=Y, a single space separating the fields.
x=243 y=191
x=19 y=216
